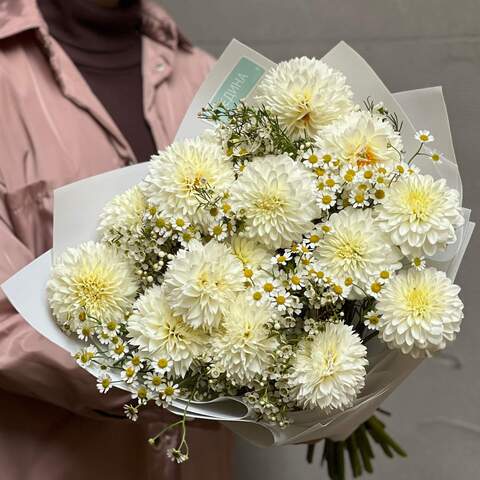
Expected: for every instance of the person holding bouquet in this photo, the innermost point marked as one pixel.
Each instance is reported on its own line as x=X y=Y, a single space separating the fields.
x=87 y=86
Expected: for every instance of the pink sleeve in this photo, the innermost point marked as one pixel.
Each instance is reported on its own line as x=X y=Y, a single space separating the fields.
x=29 y=363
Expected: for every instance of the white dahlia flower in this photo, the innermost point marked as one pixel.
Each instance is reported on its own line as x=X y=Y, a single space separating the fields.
x=276 y=196
x=244 y=346
x=305 y=94
x=329 y=370
x=159 y=333
x=123 y=214
x=420 y=214
x=178 y=172
x=356 y=249
x=93 y=280
x=362 y=139
x=420 y=312
x=250 y=252
x=202 y=281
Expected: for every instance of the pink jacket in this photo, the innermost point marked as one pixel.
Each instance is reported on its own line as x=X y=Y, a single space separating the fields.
x=54 y=131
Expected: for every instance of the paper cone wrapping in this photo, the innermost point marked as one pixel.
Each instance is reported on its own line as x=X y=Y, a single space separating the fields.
x=423 y=108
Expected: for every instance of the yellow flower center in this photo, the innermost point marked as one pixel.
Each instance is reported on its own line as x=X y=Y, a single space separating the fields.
x=280 y=300
x=418 y=203
x=162 y=363
x=257 y=296
x=337 y=289
x=359 y=198
x=268 y=287
x=326 y=199
x=136 y=360
x=418 y=302
x=169 y=391
x=217 y=230
x=93 y=291
x=270 y=203
x=379 y=194
x=248 y=272
x=296 y=280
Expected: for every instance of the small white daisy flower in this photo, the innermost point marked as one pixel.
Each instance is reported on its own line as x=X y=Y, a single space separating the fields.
x=326 y=200
x=424 y=136
x=296 y=281
x=176 y=455
x=129 y=373
x=371 y=319
x=119 y=349
x=281 y=258
x=104 y=383
x=162 y=365
x=359 y=198
x=418 y=263
x=131 y=412
x=169 y=391
x=141 y=394
x=436 y=156
x=219 y=231
x=85 y=356
x=154 y=381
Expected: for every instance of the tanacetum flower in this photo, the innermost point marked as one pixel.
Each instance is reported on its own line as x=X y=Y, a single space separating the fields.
x=305 y=94
x=178 y=172
x=362 y=140
x=329 y=370
x=244 y=345
x=356 y=249
x=420 y=214
x=424 y=136
x=420 y=312
x=123 y=214
x=276 y=196
x=202 y=281
x=161 y=334
x=93 y=280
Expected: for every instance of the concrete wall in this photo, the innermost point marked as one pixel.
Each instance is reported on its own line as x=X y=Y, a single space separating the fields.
x=410 y=44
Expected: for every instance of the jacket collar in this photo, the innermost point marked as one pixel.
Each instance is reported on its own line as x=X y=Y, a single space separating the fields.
x=17 y=16
x=161 y=39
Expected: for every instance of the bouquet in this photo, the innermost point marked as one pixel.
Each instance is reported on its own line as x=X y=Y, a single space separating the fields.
x=263 y=271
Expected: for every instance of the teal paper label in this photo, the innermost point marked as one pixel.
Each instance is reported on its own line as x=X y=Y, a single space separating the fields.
x=239 y=83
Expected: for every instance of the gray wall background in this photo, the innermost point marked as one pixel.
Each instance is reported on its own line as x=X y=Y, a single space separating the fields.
x=410 y=44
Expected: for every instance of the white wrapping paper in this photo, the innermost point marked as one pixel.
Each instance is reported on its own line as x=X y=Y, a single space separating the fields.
x=387 y=368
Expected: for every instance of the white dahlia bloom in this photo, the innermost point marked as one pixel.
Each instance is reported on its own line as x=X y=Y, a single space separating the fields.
x=276 y=196
x=362 y=139
x=250 y=252
x=305 y=94
x=123 y=214
x=420 y=312
x=176 y=174
x=356 y=249
x=244 y=346
x=329 y=370
x=420 y=214
x=202 y=281
x=91 y=280
x=159 y=333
